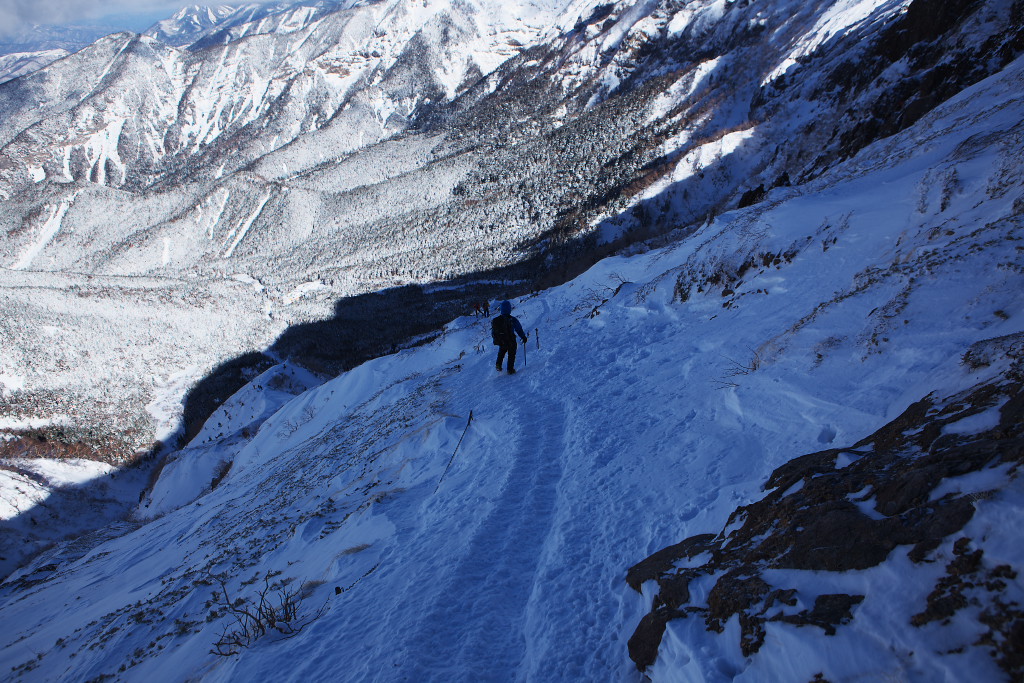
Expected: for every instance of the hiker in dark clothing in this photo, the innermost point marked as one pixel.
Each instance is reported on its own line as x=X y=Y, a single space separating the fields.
x=504 y=329
x=487 y=309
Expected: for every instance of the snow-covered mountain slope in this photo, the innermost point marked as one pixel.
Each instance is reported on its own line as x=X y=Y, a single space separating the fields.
x=386 y=145
x=286 y=82
x=423 y=517
x=172 y=128
x=48 y=500
x=18 y=64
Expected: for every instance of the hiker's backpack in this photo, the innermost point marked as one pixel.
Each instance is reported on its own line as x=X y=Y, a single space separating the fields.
x=502 y=333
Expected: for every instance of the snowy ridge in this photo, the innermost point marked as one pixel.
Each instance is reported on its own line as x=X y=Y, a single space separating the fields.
x=200 y=26
x=17 y=64
x=663 y=389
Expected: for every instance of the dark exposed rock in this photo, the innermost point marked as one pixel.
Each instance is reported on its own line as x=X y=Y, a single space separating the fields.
x=661 y=561
x=926 y=39
x=805 y=466
x=752 y=196
x=969 y=582
x=734 y=594
x=829 y=611
x=817 y=516
x=643 y=644
x=924 y=21
x=986 y=352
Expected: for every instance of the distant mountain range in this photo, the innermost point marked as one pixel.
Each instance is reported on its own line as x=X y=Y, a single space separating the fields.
x=194 y=25
x=39 y=38
x=30 y=50
x=199 y=26
x=255 y=165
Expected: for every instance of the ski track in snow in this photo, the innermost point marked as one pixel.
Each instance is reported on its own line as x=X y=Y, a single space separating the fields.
x=516 y=537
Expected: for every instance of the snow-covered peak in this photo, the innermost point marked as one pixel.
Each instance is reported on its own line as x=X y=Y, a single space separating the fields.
x=193 y=22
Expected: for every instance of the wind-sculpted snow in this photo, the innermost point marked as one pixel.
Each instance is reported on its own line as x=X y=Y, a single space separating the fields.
x=659 y=390
x=910 y=485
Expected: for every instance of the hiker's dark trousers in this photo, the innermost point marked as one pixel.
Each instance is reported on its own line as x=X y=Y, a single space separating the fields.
x=511 y=351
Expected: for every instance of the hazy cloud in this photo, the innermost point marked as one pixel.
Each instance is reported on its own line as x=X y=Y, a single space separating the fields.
x=18 y=15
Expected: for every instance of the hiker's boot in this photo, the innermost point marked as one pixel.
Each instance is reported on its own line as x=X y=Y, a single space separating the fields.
x=511 y=371
x=498 y=367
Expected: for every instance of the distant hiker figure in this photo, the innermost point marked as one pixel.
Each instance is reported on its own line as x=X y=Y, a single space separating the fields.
x=504 y=329
x=487 y=309
x=476 y=308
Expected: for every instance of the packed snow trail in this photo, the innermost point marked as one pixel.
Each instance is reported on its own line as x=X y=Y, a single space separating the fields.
x=512 y=544
x=496 y=572
x=489 y=578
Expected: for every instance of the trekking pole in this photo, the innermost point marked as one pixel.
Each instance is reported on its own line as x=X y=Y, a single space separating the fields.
x=536 y=335
x=451 y=459
x=524 y=355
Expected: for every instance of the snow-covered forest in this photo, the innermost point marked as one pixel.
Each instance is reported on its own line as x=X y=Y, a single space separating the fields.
x=767 y=424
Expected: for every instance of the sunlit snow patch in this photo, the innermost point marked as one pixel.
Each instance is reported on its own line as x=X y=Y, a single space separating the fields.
x=27 y=483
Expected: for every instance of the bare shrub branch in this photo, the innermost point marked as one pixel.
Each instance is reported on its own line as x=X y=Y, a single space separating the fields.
x=738 y=369
x=275 y=608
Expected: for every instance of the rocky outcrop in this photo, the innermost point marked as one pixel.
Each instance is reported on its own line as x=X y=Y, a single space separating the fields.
x=928 y=40
x=848 y=509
